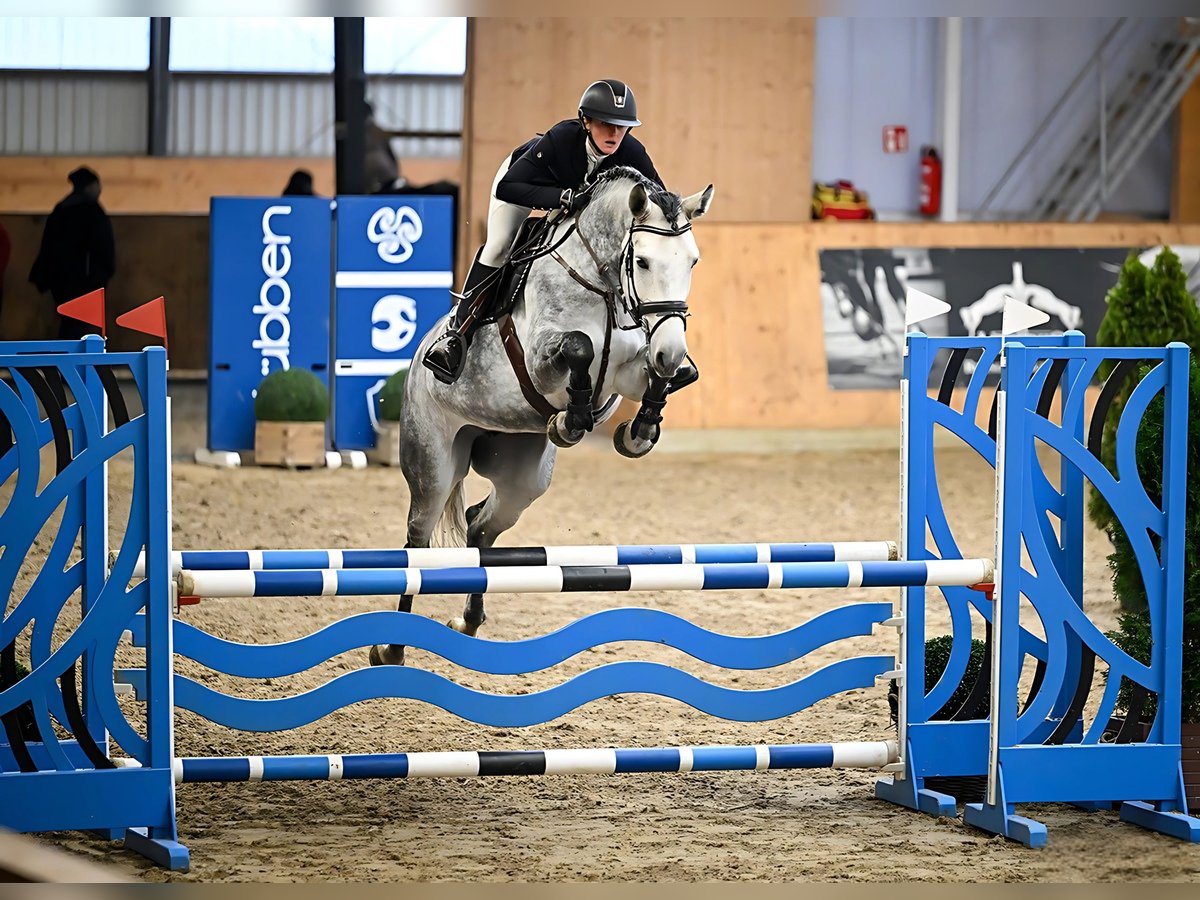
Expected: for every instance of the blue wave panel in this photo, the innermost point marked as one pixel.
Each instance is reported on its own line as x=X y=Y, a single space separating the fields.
x=513 y=710
x=216 y=559
x=876 y=574
x=660 y=759
x=216 y=769
x=834 y=574
x=295 y=559
x=520 y=657
x=736 y=576
x=802 y=553
x=723 y=759
x=453 y=581
x=802 y=756
x=378 y=765
x=374 y=559
x=288 y=584
x=648 y=556
x=295 y=768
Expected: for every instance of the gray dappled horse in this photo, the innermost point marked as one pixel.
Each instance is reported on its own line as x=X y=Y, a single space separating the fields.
x=602 y=317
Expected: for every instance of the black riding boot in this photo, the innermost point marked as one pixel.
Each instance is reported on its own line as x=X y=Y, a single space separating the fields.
x=446 y=355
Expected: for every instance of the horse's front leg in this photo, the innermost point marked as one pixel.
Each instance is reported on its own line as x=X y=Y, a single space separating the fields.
x=638 y=436
x=572 y=358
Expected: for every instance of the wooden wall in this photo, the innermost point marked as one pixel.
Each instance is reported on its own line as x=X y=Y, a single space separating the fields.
x=724 y=101
x=1185 y=193
x=144 y=184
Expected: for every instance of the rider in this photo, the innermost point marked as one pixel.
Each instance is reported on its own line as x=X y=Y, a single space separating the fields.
x=551 y=171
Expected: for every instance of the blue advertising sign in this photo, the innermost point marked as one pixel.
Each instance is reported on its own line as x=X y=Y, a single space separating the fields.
x=393 y=280
x=269 y=303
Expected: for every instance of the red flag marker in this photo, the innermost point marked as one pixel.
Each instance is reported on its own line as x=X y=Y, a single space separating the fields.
x=88 y=308
x=149 y=318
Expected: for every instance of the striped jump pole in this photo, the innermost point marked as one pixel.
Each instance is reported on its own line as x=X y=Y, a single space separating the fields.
x=856 y=755
x=579 y=555
x=564 y=579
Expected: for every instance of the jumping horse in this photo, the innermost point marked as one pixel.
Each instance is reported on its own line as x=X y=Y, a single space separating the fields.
x=595 y=312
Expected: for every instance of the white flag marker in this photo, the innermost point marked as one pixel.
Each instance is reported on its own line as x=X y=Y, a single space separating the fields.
x=919 y=306
x=1020 y=317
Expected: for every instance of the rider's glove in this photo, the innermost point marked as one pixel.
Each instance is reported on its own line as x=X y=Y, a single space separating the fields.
x=575 y=202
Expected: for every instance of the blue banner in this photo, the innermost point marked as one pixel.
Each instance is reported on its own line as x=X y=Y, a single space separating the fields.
x=393 y=280
x=269 y=303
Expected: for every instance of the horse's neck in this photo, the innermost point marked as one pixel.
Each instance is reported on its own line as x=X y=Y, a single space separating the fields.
x=573 y=300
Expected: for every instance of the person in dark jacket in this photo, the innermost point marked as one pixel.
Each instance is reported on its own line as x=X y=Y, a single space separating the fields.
x=551 y=171
x=78 y=253
x=300 y=184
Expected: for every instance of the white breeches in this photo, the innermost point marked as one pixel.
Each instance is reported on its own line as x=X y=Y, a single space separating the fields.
x=503 y=221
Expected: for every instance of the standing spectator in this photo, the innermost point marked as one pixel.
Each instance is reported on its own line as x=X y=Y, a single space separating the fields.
x=300 y=184
x=77 y=253
x=5 y=255
x=381 y=167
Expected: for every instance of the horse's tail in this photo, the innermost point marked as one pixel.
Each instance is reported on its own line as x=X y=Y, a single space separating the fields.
x=451 y=528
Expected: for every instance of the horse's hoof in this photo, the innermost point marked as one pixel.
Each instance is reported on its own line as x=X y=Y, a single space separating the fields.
x=559 y=434
x=376 y=656
x=628 y=448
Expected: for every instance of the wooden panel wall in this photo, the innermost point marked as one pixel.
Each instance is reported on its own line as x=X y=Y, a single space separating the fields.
x=1185 y=185
x=756 y=330
x=154 y=185
x=726 y=101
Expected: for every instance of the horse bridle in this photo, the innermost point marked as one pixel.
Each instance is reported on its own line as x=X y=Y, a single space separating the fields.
x=631 y=302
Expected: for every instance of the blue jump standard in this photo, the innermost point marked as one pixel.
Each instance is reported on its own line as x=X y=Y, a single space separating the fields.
x=562 y=579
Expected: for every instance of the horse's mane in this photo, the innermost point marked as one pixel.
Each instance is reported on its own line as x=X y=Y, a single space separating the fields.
x=671 y=204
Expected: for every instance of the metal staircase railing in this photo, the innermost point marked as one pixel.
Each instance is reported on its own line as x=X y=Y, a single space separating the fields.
x=1159 y=73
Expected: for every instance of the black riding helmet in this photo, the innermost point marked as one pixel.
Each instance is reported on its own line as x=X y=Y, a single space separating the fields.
x=609 y=101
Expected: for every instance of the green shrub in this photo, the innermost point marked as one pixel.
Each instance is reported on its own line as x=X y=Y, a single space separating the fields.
x=937 y=656
x=391 y=397
x=1133 y=634
x=1146 y=308
x=291 y=395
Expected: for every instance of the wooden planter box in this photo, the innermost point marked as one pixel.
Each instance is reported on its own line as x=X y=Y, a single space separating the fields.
x=386 y=451
x=1190 y=745
x=291 y=444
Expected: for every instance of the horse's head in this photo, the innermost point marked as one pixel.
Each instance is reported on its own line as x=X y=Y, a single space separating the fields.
x=657 y=256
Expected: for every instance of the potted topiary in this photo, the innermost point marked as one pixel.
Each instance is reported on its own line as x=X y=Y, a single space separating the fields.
x=1147 y=307
x=290 y=408
x=1133 y=634
x=387 y=439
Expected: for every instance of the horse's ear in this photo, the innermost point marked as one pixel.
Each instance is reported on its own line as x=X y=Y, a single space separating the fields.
x=697 y=205
x=639 y=201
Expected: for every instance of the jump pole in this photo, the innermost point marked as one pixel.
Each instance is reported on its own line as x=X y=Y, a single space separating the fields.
x=564 y=579
x=576 y=555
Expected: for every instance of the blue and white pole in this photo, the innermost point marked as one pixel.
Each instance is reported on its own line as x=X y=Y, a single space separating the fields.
x=564 y=579
x=581 y=555
x=345 y=767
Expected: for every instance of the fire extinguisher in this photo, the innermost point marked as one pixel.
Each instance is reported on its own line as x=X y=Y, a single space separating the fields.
x=931 y=182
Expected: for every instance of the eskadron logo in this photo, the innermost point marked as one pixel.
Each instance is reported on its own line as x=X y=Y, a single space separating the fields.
x=275 y=296
x=393 y=322
x=394 y=231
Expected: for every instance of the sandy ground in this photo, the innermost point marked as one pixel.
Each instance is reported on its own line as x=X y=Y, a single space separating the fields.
x=776 y=826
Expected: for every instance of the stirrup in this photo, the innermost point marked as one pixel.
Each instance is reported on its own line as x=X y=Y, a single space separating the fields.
x=442 y=372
